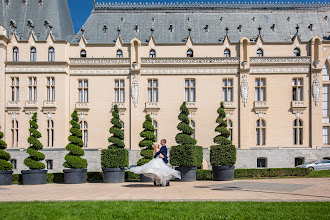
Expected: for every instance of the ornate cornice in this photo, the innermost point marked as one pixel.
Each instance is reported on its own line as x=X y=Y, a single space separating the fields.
x=98 y=72
x=280 y=59
x=35 y=69
x=188 y=71
x=190 y=60
x=100 y=61
x=280 y=70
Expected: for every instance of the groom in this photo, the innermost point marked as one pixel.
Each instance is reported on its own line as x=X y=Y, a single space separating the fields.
x=163 y=154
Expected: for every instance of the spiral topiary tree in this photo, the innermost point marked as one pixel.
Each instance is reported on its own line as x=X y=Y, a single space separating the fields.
x=116 y=156
x=148 y=139
x=224 y=153
x=33 y=161
x=5 y=165
x=186 y=153
x=73 y=159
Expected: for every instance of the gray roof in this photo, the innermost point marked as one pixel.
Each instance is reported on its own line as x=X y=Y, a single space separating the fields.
x=23 y=18
x=106 y=18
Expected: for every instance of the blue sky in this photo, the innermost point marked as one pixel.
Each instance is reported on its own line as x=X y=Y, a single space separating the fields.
x=80 y=9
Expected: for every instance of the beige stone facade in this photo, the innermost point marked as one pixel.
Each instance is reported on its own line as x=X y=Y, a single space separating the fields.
x=276 y=108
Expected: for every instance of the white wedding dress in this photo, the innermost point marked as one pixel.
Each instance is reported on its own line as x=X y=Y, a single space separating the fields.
x=157 y=168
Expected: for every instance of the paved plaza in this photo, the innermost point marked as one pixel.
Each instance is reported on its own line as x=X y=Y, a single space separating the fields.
x=292 y=189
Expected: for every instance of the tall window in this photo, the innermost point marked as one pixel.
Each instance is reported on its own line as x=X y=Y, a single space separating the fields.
x=119 y=90
x=51 y=54
x=14 y=89
x=33 y=54
x=84 y=131
x=325 y=134
x=260 y=89
x=15 y=54
x=152 y=54
x=32 y=88
x=190 y=90
x=299 y=161
x=230 y=129
x=227 y=53
x=50 y=133
x=325 y=73
x=155 y=124
x=119 y=54
x=260 y=132
x=50 y=89
x=83 y=90
x=83 y=54
x=297 y=89
x=193 y=126
x=260 y=53
x=14 y=133
x=190 y=53
x=261 y=162
x=296 y=52
x=325 y=104
x=49 y=164
x=227 y=90
x=297 y=132
x=152 y=90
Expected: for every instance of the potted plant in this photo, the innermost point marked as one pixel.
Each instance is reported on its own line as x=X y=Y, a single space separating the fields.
x=36 y=175
x=148 y=139
x=222 y=155
x=186 y=155
x=115 y=158
x=6 y=173
x=77 y=172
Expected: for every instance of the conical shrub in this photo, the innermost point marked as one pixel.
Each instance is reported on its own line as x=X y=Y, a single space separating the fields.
x=33 y=161
x=186 y=154
x=4 y=156
x=224 y=153
x=148 y=139
x=73 y=159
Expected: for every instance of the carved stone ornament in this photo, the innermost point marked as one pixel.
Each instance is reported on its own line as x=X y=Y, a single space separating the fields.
x=135 y=91
x=245 y=90
x=316 y=89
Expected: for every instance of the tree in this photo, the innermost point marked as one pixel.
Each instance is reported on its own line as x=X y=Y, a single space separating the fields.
x=148 y=139
x=4 y=156
x=73 y=158
x=186 y=153
x=116 y=156
x=33 y=161
x=224 y=153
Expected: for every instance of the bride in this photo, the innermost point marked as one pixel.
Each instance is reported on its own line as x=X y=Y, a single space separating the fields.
x=157 y=169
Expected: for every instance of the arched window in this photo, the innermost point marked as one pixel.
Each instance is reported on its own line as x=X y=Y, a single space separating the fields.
x=260 y=132
x=230 y=129
x=15 y=54
x=33 y=54
x=84 y=131
x=260 y=53
x=297 y=132
x=51 y=54
x=193 y=126
x=190 y=53
x=296 y=52
x=227 y=53
x=325 y=73
x=261 y=162
x=155 y=124
x=119 y=54
x=14 y=133
x=50 y=133
x=152 y=54
x=83 y=54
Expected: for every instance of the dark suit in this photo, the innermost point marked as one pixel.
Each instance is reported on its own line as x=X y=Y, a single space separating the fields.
x=163 y=151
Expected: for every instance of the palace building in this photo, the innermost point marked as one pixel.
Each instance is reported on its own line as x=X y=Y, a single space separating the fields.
x=268 y=62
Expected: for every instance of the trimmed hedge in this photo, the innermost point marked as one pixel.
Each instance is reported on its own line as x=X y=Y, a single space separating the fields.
x=271 y=172
x=186 y=155
x=114 y=158
x=5 y=165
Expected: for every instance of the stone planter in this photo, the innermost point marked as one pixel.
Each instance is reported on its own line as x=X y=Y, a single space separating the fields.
x=34 y=177
x=6 y=177
x=188 y=174
x=75 y=176
x=223 y=173
x=143 y=178
x=114 y=175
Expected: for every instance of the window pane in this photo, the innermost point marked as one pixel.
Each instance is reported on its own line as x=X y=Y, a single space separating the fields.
x=155 y=83
x=149 y=95
x=53 y=94
x=149 y=83
x=122 y=83
x=155 y=95
x=224 y=94
x=86 y=95
x=192 y=98
x=262 y=82
x=300 y=94
x=257 y=136
x=116 y=95
x=294 y=82
x=263 y=96
x=257 y=82
x=192 y=83
x=230 y=82
x=300 y=136
x=187 y=83
x=122 y=95
x=299 y=82
x=263 y=134
x=80 y=83
x=187 y=95
x=224 y=82
x=257 y=94
x=230 y=94
x=117 y=83
x=325 y=135
x=80 y=95
x=86 y=84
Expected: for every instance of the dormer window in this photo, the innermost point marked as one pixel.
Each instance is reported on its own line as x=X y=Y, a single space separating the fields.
x=227 y=53
x=119 y=54
x=41 y=2
x=15 y=54
x=310 y=27
x=260 y=53
x=136 y=29
x=206 y=28
x=190 y=53
x=24 y=2
x=239 y=28
x=152 y=54
x=33 y=54
x=83 y=54
x=296 y=52
x=272 y=27
x=30 y=23
x=105 y=28
x=7 y=2
x=51 y=54
x=171 y=28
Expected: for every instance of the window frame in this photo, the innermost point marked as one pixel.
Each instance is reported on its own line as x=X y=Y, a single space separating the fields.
x=119 y=54
x=15 y=89
x=121 y=91
x=265 y=163
x=189 y=88
x=51 y=54
x=190 y=53
x=260 y=52
x=226 y=88
x=261 y=127
x=152 y=53
x=33 y=54
x=296 y=52
x=298 y=132
x=226 y=53
x=83 y=94
x=83 y=124
x=154 y=90
x=50 y=87
x=50 y=133
x=258 y=87
x=33 y=89
x=15 y=54
x=296 y=87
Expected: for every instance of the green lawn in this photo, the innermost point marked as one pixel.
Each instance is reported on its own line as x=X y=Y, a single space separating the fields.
x=164 y=210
